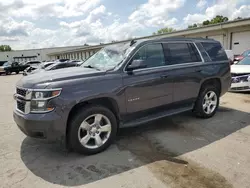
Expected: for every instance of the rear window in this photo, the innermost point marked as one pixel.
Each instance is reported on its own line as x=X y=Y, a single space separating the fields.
x=179 y=53
x=215 y=51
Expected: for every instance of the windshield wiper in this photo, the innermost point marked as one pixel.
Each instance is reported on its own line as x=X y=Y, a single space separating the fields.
x=91 y=67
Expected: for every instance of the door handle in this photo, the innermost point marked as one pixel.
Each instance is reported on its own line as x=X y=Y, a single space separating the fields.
x=164 y=76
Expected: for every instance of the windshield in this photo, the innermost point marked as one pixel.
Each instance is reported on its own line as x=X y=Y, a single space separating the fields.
x=246 y=53
x=44 y=65
x=50 y=66
x=108 y=57
x=245 y=61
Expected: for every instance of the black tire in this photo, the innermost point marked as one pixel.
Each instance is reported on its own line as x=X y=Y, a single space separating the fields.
x=198 y=108
x=76 y=121
x=17 y=72
x=7 y=72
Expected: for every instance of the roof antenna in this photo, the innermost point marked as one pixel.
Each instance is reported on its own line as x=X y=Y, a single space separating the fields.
x=132 y=42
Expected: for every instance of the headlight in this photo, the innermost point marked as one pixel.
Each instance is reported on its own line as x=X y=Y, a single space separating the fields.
x=40 y=100
x=40 y=106
x=46 y=94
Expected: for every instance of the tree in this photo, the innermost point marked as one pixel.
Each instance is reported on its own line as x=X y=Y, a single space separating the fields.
x=238 y=18
x=164 y=30
x=215 y=20
x=207 y=22
x=219 y=19
x=192 y=26
x=5 y=48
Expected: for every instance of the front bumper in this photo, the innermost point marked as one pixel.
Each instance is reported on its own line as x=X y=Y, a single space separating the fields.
x=242 y=86
x=47 y=126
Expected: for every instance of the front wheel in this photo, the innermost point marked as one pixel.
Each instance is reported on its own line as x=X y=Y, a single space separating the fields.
x=207 y=102
x=92 y=130
x=17 y=72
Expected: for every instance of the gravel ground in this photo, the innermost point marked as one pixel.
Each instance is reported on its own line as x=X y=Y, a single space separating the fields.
x=179 y=151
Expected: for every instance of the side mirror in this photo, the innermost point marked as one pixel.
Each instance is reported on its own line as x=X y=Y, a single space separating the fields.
x=136 y=64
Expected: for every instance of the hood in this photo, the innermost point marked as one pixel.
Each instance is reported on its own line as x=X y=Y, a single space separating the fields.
x=44 y=78
x=240 y=69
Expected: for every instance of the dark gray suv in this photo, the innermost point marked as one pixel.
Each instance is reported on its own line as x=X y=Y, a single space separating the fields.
x=122 y=85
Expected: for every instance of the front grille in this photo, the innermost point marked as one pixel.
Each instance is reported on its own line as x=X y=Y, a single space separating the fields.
x=21 y=92
x=240 y=88
x=239 y=74
x=240 y=79
x=21 y=106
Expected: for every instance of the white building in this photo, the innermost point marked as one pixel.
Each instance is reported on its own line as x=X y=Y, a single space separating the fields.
x=33 y=54
x=234 y=35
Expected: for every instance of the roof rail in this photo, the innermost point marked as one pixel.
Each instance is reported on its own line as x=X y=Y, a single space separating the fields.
x=132 y=42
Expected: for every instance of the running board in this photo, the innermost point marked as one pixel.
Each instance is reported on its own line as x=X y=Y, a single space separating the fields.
x=156 y=116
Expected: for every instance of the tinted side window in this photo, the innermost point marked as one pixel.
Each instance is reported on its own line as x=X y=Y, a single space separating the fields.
x=178 y=53
x=215 y=51
x=152 y=54
x=194 y=53
x=203 y=52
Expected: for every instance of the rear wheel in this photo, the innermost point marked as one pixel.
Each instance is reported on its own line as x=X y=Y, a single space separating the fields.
x=7 y=72
x=207 y=102
x=92 y=130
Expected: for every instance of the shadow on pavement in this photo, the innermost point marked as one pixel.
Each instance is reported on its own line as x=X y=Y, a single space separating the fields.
x=164 y=139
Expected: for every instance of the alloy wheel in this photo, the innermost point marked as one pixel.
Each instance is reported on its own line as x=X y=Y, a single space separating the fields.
x=210 y=102
x=94 y=131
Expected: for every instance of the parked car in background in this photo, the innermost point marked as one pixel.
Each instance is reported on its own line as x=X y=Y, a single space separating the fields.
x=2 y=67
x=55 y=65
x=61 y=60
x=242 y=56
x=33 y=63
x=62 y=65
x=122 y=85
x=34 y=69
x=10 y=67
x=241 y=75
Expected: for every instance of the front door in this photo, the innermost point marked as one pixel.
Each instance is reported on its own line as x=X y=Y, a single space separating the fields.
x=149 y=87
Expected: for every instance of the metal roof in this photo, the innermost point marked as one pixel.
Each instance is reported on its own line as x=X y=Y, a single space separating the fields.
x=219 y=26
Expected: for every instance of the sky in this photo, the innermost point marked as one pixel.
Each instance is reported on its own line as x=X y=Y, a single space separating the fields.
x=28 y=24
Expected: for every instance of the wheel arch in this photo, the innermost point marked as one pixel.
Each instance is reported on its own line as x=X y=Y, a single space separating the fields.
x=211 y=81
x=107 y=102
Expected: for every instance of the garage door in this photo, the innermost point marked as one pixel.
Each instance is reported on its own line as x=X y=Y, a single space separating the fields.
x=240 y=42
x=217 y=37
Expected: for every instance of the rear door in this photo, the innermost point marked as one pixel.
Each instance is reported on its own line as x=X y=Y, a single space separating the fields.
x=185 y=62
x=149 y=87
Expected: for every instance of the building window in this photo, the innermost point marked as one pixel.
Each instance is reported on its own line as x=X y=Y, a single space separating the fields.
x=83 y=55
x=87 y=55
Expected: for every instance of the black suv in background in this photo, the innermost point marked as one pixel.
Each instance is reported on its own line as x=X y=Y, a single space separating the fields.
x=122 y=85
x=9 y=67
